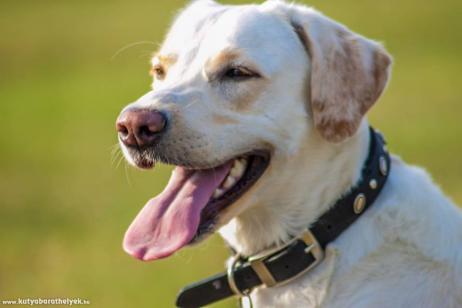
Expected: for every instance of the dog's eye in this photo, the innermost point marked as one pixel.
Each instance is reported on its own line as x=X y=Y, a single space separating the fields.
x=239 y=73
x=158 y=72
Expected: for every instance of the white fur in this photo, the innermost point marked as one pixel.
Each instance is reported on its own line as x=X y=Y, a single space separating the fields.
x=405 y=251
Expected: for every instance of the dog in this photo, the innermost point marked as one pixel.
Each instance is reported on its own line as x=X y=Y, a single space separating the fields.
x=262 y=111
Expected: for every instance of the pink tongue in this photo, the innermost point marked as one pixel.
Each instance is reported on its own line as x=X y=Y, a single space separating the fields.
x=169 y=221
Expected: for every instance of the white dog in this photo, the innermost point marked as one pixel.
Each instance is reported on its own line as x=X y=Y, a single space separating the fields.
x=261 y=108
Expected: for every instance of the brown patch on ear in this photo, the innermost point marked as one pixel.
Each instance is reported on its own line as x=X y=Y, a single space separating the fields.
x=338 y=115
x=382 y=63
x=336 y=130
x=348 y=75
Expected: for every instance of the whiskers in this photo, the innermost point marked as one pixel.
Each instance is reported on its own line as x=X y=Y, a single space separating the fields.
x=117 y=157
x=194 y=101
x=126 y=47
x=127 y=175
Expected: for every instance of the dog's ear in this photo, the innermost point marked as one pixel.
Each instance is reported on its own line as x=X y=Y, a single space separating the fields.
x=348 y=73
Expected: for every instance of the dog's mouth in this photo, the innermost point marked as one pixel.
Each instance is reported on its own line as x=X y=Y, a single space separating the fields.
x=190 y=205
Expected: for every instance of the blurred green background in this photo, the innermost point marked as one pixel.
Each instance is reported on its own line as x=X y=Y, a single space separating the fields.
x=66 y=70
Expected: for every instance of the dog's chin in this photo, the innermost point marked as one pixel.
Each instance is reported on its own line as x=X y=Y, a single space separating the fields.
x=139 y=159
x=240 y=175
x=145 y=163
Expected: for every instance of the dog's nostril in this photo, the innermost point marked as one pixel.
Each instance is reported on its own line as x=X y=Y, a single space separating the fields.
x=147 y=131
x=122 y=128
x=123 y=131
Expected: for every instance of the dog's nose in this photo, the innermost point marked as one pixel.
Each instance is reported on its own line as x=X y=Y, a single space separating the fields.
x=140 y=127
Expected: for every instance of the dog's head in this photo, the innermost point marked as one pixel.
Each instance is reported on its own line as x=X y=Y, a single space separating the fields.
x=237 y=92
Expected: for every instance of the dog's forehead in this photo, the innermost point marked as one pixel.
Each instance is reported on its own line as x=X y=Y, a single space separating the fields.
x=247 y=27
x=203 y=30
x=190 y=25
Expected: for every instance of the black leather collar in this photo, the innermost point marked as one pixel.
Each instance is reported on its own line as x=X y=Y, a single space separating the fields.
x=283 y=264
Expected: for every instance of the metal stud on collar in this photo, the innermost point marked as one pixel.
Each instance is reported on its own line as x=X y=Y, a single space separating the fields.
x=383 y=165
x=373 y=184
x=359 y=204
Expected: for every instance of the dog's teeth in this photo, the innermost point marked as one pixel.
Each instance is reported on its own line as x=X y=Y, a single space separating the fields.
x=229 y=182
x=238 y=168
x=235 y=174
x=218 y=193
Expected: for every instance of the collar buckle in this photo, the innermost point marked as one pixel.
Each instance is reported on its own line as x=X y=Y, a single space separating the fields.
x=257 y=262
x=232 y=263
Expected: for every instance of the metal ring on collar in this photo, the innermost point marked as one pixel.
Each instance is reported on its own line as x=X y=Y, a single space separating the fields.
x=230 y=273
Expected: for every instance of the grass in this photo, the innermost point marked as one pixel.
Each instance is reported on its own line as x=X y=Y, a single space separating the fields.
x=64 y=207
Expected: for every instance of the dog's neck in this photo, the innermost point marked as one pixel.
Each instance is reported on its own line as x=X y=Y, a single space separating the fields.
x=309 y=183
